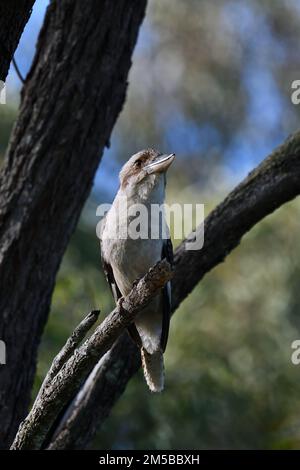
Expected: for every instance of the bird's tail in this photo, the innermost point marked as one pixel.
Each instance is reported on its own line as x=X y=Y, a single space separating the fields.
x=153 y=367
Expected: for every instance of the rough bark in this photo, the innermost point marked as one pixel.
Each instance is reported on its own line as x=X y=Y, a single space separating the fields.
x=73 y=94
x=275 y=181
x=14 y=15
x=66 y=352
x=108 y=380
x=61 y=387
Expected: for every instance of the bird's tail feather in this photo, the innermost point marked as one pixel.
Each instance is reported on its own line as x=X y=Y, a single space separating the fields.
x=153 y=367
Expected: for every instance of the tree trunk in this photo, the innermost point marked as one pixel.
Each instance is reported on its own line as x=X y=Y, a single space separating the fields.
x=73 y=94
x=14 y=15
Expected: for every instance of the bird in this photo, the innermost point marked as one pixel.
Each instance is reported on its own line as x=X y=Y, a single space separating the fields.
x=126 y=259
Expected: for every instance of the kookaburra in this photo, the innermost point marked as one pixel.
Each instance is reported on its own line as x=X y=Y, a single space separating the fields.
x=127 y=259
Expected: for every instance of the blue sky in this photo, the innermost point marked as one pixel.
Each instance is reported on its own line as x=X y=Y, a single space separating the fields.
x=266 y=104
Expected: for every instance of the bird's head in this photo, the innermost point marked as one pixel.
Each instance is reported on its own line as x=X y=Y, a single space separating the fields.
x=144 y=171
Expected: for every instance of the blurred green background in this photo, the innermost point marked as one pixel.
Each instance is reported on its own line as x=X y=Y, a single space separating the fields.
x=211 y=81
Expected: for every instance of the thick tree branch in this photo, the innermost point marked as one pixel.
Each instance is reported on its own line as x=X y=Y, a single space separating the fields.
x=270 y=185
x=275 y=181
x=14 y=15
x=56 y=393
x=71 y=99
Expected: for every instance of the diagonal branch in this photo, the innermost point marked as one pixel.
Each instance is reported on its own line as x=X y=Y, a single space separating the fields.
x=274 y=182
x=108 y=380
x=66 y=352
x=270 y=185
x=56 y=394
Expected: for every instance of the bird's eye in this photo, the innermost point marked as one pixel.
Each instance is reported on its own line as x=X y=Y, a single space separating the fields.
x=138 y=163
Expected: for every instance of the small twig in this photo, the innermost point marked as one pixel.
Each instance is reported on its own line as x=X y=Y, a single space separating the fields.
x=66 y=352
x=21 y=78
x=33 y=431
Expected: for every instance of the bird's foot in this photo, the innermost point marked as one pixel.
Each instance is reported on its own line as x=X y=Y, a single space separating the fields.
x=135 y=283
x=120 y=303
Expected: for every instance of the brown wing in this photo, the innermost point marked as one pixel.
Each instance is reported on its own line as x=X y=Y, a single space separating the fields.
x=109 y=274
x=167 y=252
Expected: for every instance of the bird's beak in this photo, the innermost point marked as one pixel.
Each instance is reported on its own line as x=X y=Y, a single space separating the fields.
x=160 y=164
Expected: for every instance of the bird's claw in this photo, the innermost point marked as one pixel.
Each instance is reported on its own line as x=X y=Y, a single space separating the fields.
x=120 y=303
x=135 y=283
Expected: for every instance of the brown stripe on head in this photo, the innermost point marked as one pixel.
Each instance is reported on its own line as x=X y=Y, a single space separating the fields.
x=133 y=168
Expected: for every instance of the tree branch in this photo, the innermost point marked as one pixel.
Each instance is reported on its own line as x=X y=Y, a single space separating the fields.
x=274 y=182
x=66 y=352
x=108 y=380
x=18 y=71
x=56 y=393
x=270 y=185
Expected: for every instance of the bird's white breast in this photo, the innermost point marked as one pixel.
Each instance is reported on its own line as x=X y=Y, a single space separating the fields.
x=131 y=258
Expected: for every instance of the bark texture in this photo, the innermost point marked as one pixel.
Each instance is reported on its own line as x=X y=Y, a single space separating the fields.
x=67 y=351
x=14 y=15
x=73 y=94
x=87 y=411
x=274 y=182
